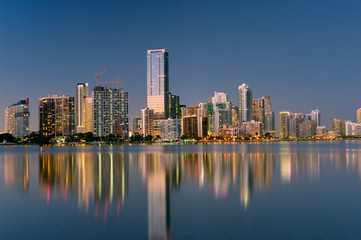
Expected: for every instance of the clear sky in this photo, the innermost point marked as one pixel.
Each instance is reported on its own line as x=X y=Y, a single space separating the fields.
x=304 y=54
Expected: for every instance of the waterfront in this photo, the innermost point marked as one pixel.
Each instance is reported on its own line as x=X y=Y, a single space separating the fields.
x=286 y=190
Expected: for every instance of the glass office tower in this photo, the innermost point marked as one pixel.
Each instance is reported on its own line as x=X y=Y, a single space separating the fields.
x=158 y=83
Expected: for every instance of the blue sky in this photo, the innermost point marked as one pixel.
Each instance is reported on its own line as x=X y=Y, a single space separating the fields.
x=304 y=54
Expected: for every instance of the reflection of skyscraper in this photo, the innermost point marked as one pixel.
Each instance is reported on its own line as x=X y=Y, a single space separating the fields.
x=285 y=168
x=85 y=171
x=16 y=171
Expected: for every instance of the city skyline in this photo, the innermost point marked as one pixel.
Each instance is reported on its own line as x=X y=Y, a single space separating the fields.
x=299 y=62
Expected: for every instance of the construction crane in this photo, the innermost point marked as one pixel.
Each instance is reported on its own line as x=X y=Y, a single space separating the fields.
x=116 y=82
x=98 y=76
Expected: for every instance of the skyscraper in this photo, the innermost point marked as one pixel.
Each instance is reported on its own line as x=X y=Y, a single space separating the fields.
x=17 y=119
x=110 y=112
x=258 y=111
x=147 y=122
x=158 y=83
x=56 y=116
x=358 y=113
x=284 y=124
x=80 y=101
x=269 y=123
x=222 y=111
x=244 y=103
x=316 y=116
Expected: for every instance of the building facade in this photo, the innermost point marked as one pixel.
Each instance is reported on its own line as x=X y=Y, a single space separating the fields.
x=158 y=83
x=110 y=112
x=244 y=103
x=17 y=119
x=80 y=101
x=170 y=129
x=147 y=122
x=194 y=126
x=56 y=116
x=284 y=124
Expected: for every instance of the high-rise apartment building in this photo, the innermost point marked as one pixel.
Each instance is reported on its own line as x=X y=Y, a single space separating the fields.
x=269 y=122
x=222 y=114
x=258 y=111
x=194 y=126
x=110 y=112
x=170 y=129
x=17 y=119
x=358 y=115
x=244 y=103
x=316 y=116
x=284 y=124
x=88 y=121
x=147 y=122
x=158 y=83
x=136 y=125
x=56 y=116
x=80 y=101
x=173 y=101
x=339 y=126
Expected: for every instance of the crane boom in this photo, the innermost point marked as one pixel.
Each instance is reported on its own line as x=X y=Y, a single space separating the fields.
x=98 y=76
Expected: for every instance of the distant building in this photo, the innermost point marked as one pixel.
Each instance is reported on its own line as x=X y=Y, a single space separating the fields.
x=110 y=112
x=244 y=103
x=147 y=122
x=307 y=129
x=321 y=131
x=339 y=126
x=222 y=115
x=17 y=119
x=56 y=116
x=80 y=101
x=284 y=124
x=88 y=120
x=269 y=122
x=316 y=116
x=193 y=126
x=258 y=111
x=352 y=129
x=136 y=125
x=252 y=128
x=170 y=129
x=174 y=112
x=158 y=83
x=358 y=115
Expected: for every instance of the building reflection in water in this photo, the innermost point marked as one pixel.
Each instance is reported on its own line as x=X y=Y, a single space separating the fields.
x=100 y=181
x=16 y=172
x=102 y=178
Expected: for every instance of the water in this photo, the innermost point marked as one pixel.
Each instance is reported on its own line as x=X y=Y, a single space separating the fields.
x=307 y=190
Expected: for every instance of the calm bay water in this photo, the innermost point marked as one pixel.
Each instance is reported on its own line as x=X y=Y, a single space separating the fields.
x=309 y=190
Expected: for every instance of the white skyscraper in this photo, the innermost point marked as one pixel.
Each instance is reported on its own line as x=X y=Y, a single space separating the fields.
x=80 y=101
x=244 y=103
x=17 y=119
x=316 y=117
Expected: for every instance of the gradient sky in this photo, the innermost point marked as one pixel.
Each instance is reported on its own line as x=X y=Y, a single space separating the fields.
x=304 y=54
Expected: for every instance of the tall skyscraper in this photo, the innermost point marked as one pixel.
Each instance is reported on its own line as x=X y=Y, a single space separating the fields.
x=316 y=116
x=88 y=123
x=222 y=114
x=110 y=112
x=17 y=119
x=80 y=101
x=358 y=113
x=258 y=111
x=174 y=106
x=147 y=121
x=158 y=83
x=269 y=123
x=244 y=103
x=56 y=116
x=284 y=124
